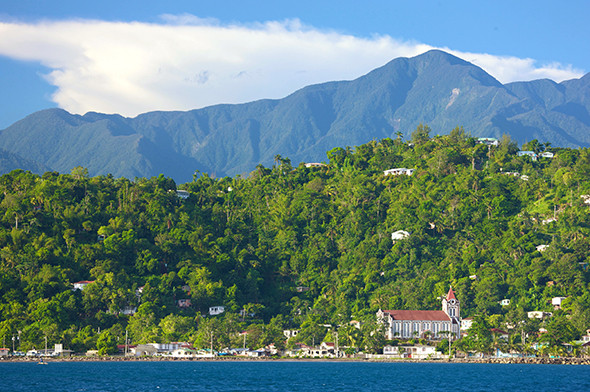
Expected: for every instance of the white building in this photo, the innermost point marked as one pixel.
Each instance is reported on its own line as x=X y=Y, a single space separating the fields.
x=416 y=352
x=399 y=171
x=81 y=285
x=488 y=141
x=466 y=323
x=556 y=302
x=215 y=310
x=531 y=154
x=430 y=324
x=399 y=235
x=539 y=314
x=182 y=194
x=315 y=164
x=290 y=333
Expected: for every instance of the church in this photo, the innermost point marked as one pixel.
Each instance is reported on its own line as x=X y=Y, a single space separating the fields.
x=428 y=324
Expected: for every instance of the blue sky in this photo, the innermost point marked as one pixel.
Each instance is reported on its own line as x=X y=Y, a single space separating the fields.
x=130 y=57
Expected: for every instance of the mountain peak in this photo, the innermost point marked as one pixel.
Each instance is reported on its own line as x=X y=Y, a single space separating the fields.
x=434 y=88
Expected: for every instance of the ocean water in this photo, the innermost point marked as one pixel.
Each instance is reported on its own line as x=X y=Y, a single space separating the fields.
x=289 y=376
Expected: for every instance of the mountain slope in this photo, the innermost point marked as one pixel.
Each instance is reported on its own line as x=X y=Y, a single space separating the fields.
x=435 y=88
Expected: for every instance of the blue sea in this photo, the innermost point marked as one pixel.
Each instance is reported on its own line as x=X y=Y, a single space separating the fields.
x=289 y=376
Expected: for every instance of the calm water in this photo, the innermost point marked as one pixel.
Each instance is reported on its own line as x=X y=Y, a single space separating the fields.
x=290 y=376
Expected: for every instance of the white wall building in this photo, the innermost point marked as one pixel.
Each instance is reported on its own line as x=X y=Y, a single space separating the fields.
x=215 y=310
x=399 y=171
x=431 y=324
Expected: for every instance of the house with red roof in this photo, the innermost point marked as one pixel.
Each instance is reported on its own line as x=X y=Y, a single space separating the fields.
x=81 y=285
x=427 y=324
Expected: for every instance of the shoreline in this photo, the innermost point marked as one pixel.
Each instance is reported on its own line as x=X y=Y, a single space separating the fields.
x=491 y=360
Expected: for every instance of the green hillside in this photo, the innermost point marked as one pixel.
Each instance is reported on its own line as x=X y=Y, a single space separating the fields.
x=296 y=247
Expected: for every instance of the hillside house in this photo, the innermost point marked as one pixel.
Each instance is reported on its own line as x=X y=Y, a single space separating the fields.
x=399 y=171
x=290 y=333
x=546 y=154
x=488 y=141
x=81 y=285
x=129 y=310
x=466 y=323
x=315 y=164
x=182 y=194
x=556 y=302
x=542 y=248
x=500 y=333
x=531 y=154
x=505 y=302
x=539 y=314
x=215 y=310
x=399 y=235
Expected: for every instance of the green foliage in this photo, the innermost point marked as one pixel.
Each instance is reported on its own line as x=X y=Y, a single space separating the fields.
x=298 y=248
x=106 y=344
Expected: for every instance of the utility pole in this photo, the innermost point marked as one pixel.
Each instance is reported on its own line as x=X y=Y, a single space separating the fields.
x=450 y=338
x=211 y=344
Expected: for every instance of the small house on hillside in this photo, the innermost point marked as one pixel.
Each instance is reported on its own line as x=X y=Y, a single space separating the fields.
x=399 y=171
x=315 y=164
x=539 y=314
x=182 y=194
x=81 y=285
x=466 y=323
x=290 y=333
x=215 y=310
x=488 y=141
x=542 y=248
x=399 y=235
x=556 y=302
x=531 y=154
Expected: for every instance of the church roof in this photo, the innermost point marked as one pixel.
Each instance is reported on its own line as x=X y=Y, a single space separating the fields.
x=418 y=315
x=451 y=294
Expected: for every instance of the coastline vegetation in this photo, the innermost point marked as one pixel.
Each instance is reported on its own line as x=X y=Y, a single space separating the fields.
x=305 y=248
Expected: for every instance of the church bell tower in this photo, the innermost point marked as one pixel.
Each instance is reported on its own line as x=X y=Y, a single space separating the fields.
x=451 y=306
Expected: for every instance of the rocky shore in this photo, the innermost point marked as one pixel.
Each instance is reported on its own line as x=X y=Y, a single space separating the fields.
x=115 y=358
x=526 y=360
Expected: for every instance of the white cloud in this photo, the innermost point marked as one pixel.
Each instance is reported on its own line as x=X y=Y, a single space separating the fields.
x=188 y=62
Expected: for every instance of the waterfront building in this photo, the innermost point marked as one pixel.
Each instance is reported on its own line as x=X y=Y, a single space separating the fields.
x=427 y=324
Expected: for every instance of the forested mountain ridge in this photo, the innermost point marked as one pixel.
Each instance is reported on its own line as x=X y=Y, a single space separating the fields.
x=434 y=88
x=296 y=247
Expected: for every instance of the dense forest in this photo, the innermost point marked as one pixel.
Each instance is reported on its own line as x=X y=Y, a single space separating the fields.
x=307 y=248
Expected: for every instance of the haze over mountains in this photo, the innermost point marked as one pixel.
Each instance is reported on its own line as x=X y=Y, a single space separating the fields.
x=434 y=88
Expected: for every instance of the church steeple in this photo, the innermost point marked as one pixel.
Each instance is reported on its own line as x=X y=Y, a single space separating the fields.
x=451 y=306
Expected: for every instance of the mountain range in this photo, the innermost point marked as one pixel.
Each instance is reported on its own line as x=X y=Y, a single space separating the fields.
x=434 y=88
